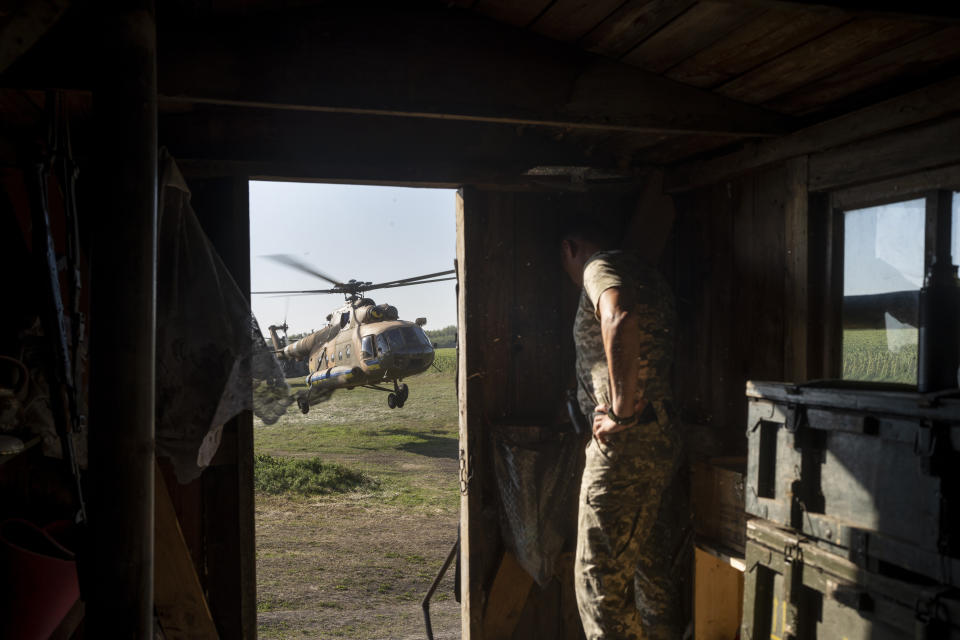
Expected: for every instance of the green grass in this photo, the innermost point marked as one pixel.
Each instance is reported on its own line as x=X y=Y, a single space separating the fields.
x=402 y=449
x=879 y=355
x=307 y=476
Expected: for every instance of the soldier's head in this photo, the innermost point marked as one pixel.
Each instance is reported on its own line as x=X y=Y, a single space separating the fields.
x=580 y=238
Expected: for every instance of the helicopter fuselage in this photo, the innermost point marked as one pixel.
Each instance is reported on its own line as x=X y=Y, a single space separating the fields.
x=364 y=345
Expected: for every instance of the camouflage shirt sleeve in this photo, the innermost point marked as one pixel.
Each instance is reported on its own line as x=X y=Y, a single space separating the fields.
x=599 y=275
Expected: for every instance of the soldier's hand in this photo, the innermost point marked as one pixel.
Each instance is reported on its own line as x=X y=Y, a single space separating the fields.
x=603 y=425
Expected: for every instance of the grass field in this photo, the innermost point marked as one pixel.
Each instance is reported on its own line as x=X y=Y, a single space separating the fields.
x=879 y=355
x=352 y=554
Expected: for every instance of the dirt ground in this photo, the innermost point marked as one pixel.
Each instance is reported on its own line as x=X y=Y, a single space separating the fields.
x=357 y=565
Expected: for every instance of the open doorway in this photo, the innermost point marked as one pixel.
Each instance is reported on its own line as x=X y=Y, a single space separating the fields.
x=357 y=499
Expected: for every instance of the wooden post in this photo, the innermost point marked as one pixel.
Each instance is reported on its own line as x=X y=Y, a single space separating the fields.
x=117 y=570
x=796 y=238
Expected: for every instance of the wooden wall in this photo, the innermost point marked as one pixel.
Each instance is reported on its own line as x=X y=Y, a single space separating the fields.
x=731 y=287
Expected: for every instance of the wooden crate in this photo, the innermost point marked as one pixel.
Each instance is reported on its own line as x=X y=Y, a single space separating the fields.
x=869 y=474
x=795 y=589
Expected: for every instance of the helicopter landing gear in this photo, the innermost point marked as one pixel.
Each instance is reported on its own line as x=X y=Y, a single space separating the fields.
x=304 y=405
x=399 y=396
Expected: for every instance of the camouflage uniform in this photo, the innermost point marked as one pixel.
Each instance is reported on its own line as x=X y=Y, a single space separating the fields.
x=625 y=574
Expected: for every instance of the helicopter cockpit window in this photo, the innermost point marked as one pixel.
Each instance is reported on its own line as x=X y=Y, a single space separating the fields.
x=395 y=338
x=367 y=349
x=382 y=344
x=424 y=338
x=344 y=319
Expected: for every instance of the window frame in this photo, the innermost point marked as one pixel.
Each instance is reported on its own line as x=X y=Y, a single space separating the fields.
x=826 y=221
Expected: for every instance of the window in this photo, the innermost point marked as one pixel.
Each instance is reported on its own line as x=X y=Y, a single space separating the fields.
x=883 y=265
x=886 y=253
x=340 y=355
x=348 y=350
x=367 y=349
x=382 y=344
x=344 y=319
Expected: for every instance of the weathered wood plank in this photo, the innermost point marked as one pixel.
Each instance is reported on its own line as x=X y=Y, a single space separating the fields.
x=437 y=64
x=899 y=188
x=345 y=146
x=519 y=14
x=700 y=26
x=918 y=106
x=178 y=596
x=718 y=598
x=913 y=60
x=508 y=595
x=888 y=155
x=631 y=24
x=850 y=43
x=762 y=39
x=796 y=284
x=930 y=10
x=569 y=20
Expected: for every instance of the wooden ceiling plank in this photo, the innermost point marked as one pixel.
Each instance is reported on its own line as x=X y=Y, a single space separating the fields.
x=570 y=20
x=631 y=24
x=436 y=64
x=913 y=59
x=846 y=45
x=760 y=40
x=518 y=13
x=929 y=103
x=929 y=10
x=700 y=26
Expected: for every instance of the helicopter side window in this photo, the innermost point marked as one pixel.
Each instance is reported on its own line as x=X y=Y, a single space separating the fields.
x=340 y=355
x=348 y=351
x=366 y=347
x=344 y=319
x=382 y=344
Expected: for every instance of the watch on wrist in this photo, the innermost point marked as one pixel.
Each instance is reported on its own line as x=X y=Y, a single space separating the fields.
x=625 y=420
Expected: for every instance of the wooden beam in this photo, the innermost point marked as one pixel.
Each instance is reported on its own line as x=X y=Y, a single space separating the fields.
x=930 y=10
x=892 y=154
x=266 y=143
x=429 y=62
x=918 y=106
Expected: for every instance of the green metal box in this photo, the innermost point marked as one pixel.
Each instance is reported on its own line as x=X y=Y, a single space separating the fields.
x=796 y=589
x=872 y=475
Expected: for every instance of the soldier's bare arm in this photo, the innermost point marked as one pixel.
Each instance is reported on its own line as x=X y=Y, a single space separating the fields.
x=621 y=343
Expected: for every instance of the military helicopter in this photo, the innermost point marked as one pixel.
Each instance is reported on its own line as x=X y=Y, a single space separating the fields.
x=364 y=344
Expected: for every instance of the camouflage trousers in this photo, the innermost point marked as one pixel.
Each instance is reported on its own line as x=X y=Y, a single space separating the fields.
x=632 y=555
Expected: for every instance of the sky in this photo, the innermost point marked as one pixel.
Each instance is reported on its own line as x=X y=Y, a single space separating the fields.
x=351 y=232
x=883 y=247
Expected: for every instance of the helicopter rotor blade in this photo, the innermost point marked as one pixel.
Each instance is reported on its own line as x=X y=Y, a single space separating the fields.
x=406 y=284
x=305 y=292
x=299 y=265
x=381 y=285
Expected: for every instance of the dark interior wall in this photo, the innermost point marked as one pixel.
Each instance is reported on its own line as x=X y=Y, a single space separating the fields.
x=731 y=285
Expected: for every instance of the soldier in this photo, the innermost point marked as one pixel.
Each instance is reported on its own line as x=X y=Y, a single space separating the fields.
x=624 y=342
